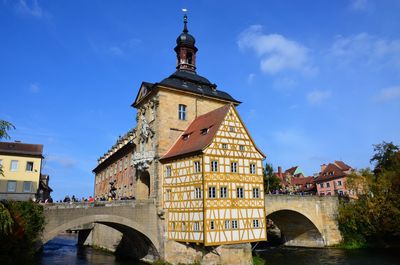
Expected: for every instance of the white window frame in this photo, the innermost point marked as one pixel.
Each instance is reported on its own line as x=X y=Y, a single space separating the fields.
x=214 y=166
x=196 y=226
x=212 y=225
x=30 y=186
x=256 y=223
x=234 y=167
x=197 y=192
x=168 y=171
x=212 y=192
x=28 y=163
x=252 y=168
x=168 y=195
x=12 y=164
x=223 y=192
x=224 y=146
x=197 y=167
x=235 y=224
x=240 y=192
x=182 y=112
x=227 y=224
x=256 y=193
x=241 y=147
x=8 y=186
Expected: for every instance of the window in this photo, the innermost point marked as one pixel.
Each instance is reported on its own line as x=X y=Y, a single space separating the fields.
x=321 y=185
x=27 y=186
x=204 y=131
x=224 y=146
x=196 y=166
x=241 y=147
x=239 y=193
x=197 y=193
x=189 y=57
x=231 y=129
x=183 y=226
x=11 y=186
x=234 y=224
x=168 y=171
x=233 y=167
x=172 y=226
x=252 y=168
x=328 y=184
x=224 y=192
x=1 y=162
x=196 y=226
x=339 y=183
x=227 y=224
x=212 y=225
x=322 y=194
x=14 y=165
x=126 y=162
x=168 y=195
x=120 y=165
x=185 y=136
x=29 y=166
x=340 y=192
x=256 y=224
x=211 y=192
x=214 y=166
x=182 y=112
x=256 y=193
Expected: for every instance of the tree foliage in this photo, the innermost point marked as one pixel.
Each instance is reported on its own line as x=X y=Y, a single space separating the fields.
x=19 y=242
x=271 y=181
x=5 y=126
x=374 y=218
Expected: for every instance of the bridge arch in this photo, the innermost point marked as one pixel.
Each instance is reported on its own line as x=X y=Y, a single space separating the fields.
x=297 y=229
x=144 y=243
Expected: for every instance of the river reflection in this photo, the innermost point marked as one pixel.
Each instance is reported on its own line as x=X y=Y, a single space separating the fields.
x=307 y=256
x=63 y=250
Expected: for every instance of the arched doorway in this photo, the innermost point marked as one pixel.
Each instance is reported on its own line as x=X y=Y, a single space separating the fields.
x=143 y=185
x=296 y=229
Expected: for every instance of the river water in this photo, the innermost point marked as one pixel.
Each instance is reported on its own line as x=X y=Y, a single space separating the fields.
x=62 y=250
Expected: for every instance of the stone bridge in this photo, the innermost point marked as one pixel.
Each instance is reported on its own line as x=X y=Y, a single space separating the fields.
x=136 y=220
x=307 y=221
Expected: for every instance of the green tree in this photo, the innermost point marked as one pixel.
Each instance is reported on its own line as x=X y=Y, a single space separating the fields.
x=5 y=126
x=271 y=181
x=374 y=218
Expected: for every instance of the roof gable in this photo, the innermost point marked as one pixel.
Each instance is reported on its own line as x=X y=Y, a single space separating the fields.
x=234 y=133
x=199 y=134
x=144 y=90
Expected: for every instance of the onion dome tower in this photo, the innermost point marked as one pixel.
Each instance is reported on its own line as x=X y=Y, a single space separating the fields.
x=185 y=49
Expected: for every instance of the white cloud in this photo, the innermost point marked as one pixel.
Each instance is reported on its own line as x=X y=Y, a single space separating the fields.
x=359 y=5
x=318 y=96
x=366 y=49
x=117 y=48
x=34 y=88
x=29 y=8
x=276 y=52
x=250 y=78
x=62 y=160
x=389 y=94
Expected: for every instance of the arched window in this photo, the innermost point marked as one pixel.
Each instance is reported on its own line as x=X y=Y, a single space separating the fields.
x=189 y=57
x=182 y=112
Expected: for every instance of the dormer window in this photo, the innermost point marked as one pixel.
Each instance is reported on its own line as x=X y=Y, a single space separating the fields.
x=204 y=131
x=182 y=112
x=185 y=136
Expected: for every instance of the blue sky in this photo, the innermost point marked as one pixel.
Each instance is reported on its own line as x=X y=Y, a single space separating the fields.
x=319 y=80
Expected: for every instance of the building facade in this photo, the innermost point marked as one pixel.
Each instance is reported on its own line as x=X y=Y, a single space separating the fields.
x=213 y=182
x=21 y=164
x=293 y=180
x=332 y=179
x=188 y=212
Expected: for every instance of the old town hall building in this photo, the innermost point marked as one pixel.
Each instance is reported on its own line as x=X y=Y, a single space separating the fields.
x=190 y=152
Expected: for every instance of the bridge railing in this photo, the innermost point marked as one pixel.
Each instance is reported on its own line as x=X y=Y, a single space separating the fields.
x=116 y=203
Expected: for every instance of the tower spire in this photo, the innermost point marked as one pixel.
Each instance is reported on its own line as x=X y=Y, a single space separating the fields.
x=185 y=30
x=185 y=48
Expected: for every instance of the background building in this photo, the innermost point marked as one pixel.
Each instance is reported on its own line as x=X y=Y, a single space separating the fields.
x=332 y=179
x=21 y=164
x=293 y=180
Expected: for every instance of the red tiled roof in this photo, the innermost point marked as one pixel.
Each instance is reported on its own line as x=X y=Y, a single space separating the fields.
x=193 y=140
x=291 y=170
x=342 y=165
x=15 y=148
x=333 y=171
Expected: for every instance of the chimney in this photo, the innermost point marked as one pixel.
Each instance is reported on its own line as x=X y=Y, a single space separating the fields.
x=280 y=171
x=323 y=166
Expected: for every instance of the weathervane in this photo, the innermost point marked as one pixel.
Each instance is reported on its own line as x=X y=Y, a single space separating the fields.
x=184 y=10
